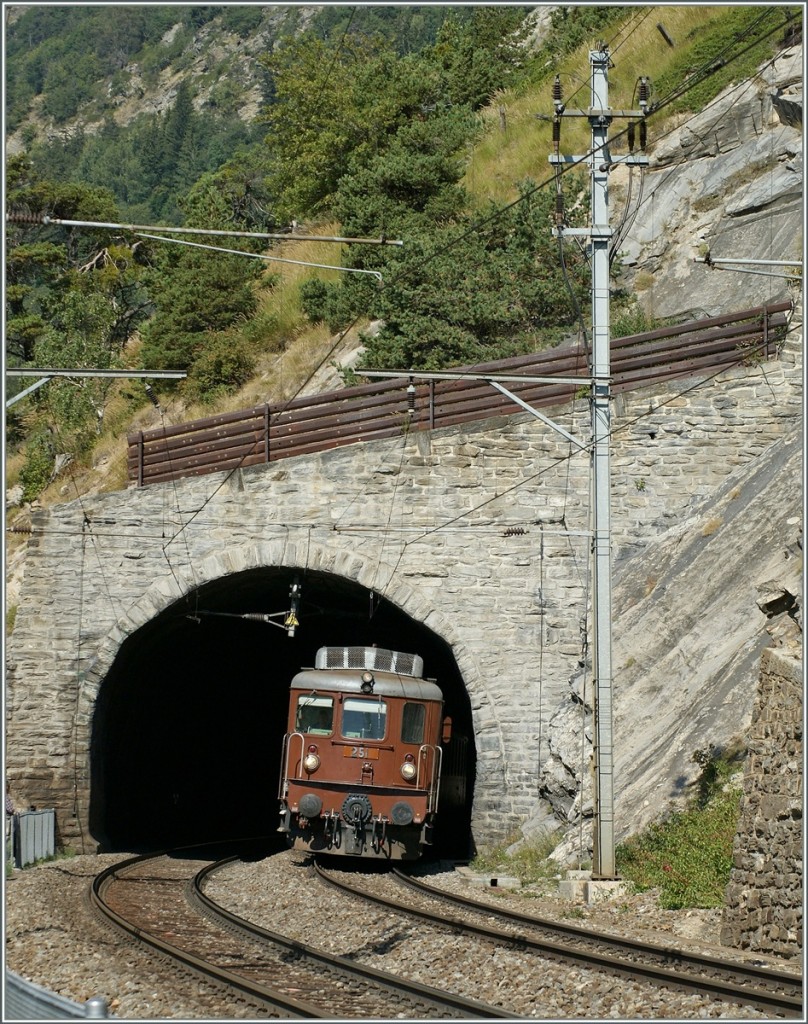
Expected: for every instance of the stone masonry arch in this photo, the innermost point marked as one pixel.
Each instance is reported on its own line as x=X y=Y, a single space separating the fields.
x=479 y=535
x=164 y=593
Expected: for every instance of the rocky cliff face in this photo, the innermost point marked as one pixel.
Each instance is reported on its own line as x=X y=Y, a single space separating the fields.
x=692 y=613
x=695 y=608
x=727 y=183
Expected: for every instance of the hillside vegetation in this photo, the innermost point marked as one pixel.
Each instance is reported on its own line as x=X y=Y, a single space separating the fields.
x=429 y=125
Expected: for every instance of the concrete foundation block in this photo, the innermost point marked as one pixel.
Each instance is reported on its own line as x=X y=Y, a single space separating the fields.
x=487 y=881
x=604 y=889
x=573 y=887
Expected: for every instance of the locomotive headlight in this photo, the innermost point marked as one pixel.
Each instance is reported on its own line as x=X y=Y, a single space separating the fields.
x=311 y=762
x=408 y=771
x=367 y=682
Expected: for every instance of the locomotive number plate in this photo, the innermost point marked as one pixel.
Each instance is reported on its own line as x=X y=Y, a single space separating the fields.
x=368 y=753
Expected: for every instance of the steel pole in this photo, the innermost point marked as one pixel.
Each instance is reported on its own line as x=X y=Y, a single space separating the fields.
x=603 y=864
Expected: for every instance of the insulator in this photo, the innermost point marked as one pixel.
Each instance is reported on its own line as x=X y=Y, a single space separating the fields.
x=557 y=90
x=24 y=218
x=411 y=398
x=631 y=133
x=643 y=134
x=643 y=92
x=151 y=395
x=556 y=129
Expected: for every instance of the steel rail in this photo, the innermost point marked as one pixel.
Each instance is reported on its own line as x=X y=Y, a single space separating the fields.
x=294 y=952
x=296 y=1008
x=726 y=990
x=438 y=998
x=744 y=973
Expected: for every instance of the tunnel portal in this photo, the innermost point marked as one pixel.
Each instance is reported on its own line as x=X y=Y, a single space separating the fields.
x=187 y=728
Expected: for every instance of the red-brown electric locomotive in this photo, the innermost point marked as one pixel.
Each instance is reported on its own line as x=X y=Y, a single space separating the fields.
x=362 y=757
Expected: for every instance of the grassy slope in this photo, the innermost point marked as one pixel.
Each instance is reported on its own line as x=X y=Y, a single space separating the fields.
x=503 y=158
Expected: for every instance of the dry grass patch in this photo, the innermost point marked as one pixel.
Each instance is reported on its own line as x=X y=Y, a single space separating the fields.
x=501 y=160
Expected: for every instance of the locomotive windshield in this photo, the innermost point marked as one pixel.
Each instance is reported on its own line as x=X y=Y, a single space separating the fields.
x=364 y=719
x=314 y=714
x=412 y=723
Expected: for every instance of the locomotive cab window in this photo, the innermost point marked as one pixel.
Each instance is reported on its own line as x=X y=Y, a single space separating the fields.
x=315 y=715
x=364 y=719
x=412 y=723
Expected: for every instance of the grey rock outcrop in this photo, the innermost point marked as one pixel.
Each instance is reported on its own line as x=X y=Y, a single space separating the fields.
x=727 y=182
x=690 y=626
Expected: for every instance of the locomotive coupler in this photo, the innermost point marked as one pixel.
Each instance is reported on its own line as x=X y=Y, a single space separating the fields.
x=286 y=817
x=379 y=833
x=359 y=833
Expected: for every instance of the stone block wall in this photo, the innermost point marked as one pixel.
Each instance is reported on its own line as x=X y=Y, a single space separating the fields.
x=486 y=544
x=763 y=909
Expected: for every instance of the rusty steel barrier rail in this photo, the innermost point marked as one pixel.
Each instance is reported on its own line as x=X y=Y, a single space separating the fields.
x=265 y=433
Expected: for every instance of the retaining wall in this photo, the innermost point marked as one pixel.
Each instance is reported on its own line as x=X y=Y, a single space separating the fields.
x=763 y=910
x=486 y=544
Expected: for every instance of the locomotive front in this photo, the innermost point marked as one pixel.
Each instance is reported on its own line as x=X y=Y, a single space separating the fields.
x=361 y=762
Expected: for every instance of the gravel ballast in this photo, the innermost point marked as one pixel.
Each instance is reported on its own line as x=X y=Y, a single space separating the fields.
x=54 y=939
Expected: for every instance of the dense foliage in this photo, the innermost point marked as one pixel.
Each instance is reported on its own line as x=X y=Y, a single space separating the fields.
x=369 y=115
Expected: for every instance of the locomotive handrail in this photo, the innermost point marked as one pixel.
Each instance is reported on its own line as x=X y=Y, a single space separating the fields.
x=433 y=788
x=283 y=780
x=285 y=760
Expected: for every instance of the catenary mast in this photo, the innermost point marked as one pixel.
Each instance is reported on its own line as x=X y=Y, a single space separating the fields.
x=600 y=117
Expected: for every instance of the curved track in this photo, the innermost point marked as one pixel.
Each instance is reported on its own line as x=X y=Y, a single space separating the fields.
x=159 y=900
x=764 y=988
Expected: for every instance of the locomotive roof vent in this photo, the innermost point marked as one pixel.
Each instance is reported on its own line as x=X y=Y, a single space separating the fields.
x=370 y=658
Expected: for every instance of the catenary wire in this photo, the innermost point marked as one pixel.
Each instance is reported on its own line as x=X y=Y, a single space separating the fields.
x=696 y=79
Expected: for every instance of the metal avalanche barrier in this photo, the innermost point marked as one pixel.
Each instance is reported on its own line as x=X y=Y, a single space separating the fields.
x=23 y=1000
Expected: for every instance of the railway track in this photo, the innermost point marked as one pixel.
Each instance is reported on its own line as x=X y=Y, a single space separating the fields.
x=159 y=900
x=766 y=989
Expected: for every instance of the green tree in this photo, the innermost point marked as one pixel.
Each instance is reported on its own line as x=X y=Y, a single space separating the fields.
x=83 y=336
x=30 y=269
x=335 y=106
x=201 y=292
x=482 y=53
x=41 y=259
x=409 y=190
x=466 y=294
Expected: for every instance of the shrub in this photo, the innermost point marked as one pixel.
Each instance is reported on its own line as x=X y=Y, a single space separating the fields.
x=528 y=861
x=688 y=857
x=39 y=461
x=225 y=364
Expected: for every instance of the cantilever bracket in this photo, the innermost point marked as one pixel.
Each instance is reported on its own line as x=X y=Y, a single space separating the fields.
x=539 y=416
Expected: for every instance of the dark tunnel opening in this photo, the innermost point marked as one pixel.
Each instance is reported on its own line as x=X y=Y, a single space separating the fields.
x=189 y=721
